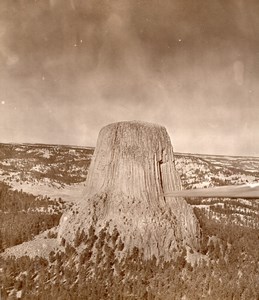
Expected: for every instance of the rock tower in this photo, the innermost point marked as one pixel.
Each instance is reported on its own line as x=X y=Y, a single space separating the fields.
x=131 y=170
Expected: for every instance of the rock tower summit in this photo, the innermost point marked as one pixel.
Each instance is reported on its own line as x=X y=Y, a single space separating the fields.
x=132 y=168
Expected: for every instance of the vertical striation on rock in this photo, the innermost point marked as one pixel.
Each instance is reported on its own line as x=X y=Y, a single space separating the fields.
x=131 y=169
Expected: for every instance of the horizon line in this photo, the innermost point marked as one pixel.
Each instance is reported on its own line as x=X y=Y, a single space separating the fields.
x=93 y=147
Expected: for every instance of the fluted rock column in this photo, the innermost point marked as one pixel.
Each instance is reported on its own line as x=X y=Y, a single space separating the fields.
x=131 y=169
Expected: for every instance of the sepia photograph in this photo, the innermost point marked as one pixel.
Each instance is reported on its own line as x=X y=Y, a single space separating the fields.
x=129 y=150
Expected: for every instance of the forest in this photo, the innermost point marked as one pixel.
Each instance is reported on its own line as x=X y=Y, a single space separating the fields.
x=227 y=268
x=23 y=216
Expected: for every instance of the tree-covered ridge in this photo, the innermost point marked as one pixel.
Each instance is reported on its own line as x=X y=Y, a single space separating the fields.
x=203 y=171
x=243 y=212
x=23 y=216
x=50 y=164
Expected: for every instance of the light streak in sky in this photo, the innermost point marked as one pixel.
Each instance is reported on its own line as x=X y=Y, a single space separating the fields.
x=250 y=190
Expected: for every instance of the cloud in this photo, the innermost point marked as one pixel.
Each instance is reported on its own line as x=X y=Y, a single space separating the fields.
x=186 y=64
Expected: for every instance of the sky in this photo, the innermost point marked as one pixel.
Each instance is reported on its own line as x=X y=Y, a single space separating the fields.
x=70 y=67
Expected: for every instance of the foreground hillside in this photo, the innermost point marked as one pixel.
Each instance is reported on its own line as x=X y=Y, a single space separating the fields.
x=225 y=267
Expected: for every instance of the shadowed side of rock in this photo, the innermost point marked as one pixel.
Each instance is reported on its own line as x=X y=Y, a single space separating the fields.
x=132 y=168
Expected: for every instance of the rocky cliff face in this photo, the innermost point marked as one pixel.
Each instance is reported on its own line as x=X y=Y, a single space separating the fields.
x=131 y=170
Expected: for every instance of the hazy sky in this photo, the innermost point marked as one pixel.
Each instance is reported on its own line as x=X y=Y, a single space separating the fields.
x=69 y=67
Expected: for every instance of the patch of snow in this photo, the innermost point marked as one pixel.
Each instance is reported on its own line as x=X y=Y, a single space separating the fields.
x=206 y=206
x=70 y=193
x=46 y=154
x=40 y=245
x=6 y=163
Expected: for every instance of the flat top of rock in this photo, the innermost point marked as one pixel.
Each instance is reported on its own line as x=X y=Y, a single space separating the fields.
x=134 y=123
